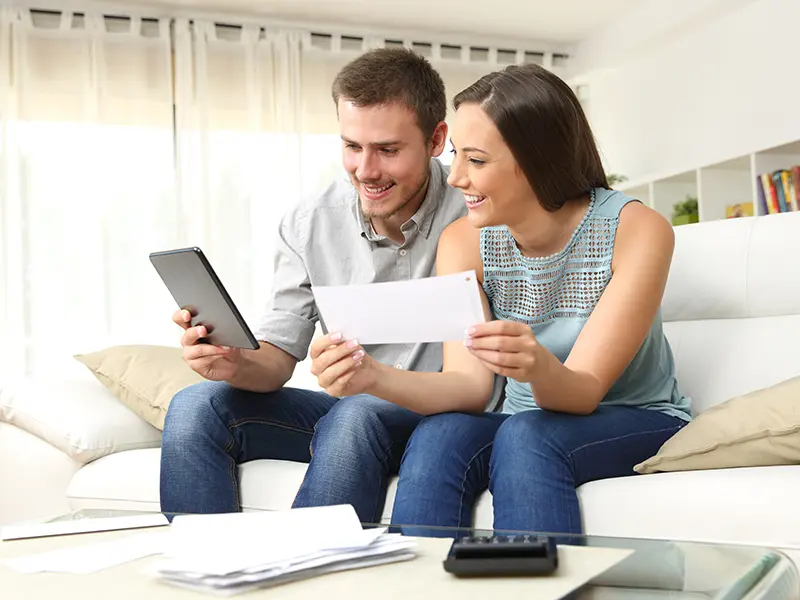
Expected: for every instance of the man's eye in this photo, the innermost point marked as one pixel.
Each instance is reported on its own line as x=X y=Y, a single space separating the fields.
x=389 y=150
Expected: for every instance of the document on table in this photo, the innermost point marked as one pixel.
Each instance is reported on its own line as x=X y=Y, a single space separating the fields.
x=89 y=558
x=431 y=309
x=233 y=553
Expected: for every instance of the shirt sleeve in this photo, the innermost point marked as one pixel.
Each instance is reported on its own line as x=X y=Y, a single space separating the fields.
x=291 y=313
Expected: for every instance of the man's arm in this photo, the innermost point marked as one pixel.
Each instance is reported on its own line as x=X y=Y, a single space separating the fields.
x=264 y=370
x=284 y=332
x=287 y=326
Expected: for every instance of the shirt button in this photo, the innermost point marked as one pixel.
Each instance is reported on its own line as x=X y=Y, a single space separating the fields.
x=398 y=366
x=403 y=252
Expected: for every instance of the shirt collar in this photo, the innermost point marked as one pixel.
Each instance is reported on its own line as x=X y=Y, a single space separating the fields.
x=423 y=218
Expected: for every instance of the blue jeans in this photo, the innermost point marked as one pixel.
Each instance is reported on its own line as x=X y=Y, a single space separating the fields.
x=352 y=446
x=532 y=462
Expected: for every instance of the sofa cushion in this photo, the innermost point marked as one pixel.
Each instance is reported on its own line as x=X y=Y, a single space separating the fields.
x=143 y=377
x=78 y=416
x=748 y=505
x=756 y=429
x=130 y=481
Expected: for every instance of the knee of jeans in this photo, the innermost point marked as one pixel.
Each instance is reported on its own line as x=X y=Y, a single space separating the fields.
x=191 y=409
x=357 y=415
x=430 y=449
x=526 y=433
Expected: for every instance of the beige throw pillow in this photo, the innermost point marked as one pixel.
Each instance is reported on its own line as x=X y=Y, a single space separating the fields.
x=757 y=429
x=145 y=378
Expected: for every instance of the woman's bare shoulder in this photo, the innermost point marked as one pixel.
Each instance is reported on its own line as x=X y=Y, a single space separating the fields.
x=459 y=248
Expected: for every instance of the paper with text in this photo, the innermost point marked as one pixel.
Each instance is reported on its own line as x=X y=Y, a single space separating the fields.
x=432 y=309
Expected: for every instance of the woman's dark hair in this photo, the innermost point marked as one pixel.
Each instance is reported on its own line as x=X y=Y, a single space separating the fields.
x=545 y=127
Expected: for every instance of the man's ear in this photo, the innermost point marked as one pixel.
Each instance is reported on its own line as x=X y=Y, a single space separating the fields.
x=438 y=139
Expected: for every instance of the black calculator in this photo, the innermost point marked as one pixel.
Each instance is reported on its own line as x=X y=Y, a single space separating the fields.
x=508 y=555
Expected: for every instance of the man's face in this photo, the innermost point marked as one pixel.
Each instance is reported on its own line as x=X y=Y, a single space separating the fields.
x=386 y=155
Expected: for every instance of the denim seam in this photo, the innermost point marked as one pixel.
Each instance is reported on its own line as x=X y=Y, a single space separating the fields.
x=464 y=481
x=376 y=507
x=621 y=437
x=250 y=421
x=235 y=483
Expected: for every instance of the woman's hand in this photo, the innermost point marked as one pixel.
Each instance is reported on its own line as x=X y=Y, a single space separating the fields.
x=507 y=348
x=341 y=367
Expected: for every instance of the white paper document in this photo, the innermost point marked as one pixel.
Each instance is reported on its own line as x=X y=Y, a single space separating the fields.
x=34 y=530
x=233 y=553
x=431 y=309
x=89 y=558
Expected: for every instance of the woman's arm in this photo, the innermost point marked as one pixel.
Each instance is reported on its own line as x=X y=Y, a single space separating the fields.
x=464 y=384
x=621 y=320
x=611 y=336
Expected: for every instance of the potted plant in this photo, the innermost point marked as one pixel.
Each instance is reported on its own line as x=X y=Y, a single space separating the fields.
x=685 y=212
x=615 y=179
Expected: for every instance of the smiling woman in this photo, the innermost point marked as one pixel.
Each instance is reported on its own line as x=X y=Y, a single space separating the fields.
x=574 y=274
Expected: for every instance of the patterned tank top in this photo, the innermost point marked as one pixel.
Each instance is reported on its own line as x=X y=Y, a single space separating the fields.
x=556 y=294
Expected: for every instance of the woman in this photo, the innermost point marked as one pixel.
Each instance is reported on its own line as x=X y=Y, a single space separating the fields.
x=574 y=274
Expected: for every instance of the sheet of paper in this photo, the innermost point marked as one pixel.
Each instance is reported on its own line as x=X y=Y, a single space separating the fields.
x=33 y=530
x=233 y=553
x=226 y=543
x=90 y=558
x=432 y=309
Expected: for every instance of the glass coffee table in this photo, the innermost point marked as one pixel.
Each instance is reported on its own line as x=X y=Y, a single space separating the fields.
x=668 y=569
x=651 y=569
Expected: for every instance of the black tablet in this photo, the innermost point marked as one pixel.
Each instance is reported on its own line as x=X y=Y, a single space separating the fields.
x=195 y=286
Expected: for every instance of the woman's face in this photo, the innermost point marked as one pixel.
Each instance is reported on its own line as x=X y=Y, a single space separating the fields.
x=485 y=170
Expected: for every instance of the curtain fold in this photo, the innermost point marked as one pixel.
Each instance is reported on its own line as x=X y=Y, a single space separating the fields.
x=123 y=136
x=88 y=184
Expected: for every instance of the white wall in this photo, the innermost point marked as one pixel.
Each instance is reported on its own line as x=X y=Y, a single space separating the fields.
x=723 y=83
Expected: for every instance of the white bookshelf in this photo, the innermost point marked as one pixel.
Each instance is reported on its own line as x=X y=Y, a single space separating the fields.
x=716 y=186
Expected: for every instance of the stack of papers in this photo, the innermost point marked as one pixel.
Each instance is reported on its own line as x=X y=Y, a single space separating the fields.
x=234 y=553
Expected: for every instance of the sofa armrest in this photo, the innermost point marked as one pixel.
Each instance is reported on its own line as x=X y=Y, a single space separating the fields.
x=78 y=416
x=34 y=477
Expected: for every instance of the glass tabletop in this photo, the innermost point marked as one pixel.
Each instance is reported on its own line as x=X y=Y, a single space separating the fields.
x=664 y=568
x=657 y=569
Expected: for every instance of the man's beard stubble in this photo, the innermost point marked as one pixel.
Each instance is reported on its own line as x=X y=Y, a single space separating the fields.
x=386 y=216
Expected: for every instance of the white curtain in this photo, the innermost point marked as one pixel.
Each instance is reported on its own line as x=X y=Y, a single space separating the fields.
x=121 y=136
x=87 y=183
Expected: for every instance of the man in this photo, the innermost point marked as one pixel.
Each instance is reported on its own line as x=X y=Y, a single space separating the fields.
x=383 y=225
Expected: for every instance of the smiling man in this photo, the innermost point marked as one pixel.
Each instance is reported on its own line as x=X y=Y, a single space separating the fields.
x=381 y=225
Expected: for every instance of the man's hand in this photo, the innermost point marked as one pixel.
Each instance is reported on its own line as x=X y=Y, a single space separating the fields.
x=341 y=367
x=217 y=363
x=507 y=348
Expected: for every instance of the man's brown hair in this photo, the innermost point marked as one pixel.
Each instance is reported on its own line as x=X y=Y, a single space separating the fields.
x=389 y=75
x=545 y=127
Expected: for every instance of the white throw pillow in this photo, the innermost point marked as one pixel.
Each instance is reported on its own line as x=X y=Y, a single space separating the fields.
x=79 y=417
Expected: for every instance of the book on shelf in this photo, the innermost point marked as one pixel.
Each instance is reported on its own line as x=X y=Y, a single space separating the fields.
x=778 y=191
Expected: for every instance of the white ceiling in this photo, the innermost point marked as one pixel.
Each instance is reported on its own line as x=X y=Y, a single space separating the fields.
x=556 y=21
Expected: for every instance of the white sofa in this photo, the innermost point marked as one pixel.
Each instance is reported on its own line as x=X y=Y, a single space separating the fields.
x=732 y=313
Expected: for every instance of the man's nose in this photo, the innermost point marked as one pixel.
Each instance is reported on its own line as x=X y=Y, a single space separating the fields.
x=368 y=169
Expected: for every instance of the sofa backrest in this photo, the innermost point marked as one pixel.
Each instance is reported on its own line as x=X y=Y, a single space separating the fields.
x=732 y=306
